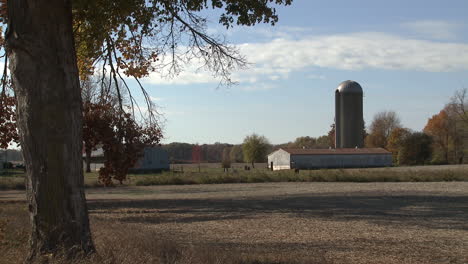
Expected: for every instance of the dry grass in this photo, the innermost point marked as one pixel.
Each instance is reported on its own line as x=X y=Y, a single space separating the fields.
x=12 y=180
x=121 y=243
x=14 y=221
x=212 y=174
x=266 y=223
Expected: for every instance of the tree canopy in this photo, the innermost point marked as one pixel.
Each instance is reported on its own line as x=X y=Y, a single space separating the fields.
x=50 y=44
x=236 y=154
x=137 y=37
x=255 y=148
x=380 y=129
x=134 y=38
x=415 y=149
x=438 y=127
x=395 y=141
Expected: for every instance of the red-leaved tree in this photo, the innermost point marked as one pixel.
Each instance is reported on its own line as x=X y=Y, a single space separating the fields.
x=123 y=142
x=8 y=131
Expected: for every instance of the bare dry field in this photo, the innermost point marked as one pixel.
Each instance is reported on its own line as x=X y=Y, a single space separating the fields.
x=293 y=222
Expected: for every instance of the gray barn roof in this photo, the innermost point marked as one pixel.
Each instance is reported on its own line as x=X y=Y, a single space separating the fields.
x=342 y=151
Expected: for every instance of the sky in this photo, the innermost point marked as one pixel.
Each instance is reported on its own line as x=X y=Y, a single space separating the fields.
x=409 y=57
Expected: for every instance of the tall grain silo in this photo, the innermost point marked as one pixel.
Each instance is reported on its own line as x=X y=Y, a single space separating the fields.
x=349 y=118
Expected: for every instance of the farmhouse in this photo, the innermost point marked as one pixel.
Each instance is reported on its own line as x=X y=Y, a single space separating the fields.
x=283 y=159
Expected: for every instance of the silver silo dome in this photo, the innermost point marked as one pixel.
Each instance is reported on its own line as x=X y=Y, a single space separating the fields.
x=349 y=115
x=349 y=87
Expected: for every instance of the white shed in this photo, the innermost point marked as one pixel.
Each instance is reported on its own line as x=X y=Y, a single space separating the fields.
x=283 y=159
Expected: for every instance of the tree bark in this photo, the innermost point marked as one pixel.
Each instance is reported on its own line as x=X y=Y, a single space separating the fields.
x=44 y=72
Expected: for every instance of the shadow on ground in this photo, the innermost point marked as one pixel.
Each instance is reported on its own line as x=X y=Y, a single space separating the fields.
x=435 y=212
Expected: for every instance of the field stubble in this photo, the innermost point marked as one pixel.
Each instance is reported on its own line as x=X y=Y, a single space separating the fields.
x=268 y=223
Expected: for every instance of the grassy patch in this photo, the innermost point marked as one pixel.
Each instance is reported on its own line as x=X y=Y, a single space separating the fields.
x=331 y=175
x=12 y=179
x=12 y=183
x=217 y=176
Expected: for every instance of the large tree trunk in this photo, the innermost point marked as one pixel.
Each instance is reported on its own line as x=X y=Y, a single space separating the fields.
x=45 y=78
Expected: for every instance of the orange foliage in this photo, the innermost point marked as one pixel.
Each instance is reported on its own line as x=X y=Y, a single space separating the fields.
x=438 y=126
x=395 y=141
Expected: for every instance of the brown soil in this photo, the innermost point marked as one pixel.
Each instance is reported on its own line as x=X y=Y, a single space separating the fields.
x=323 y=222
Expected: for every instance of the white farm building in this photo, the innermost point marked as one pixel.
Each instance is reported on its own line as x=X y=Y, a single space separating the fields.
x=284 y=159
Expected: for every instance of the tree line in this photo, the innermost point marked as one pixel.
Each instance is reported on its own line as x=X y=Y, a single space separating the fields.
x=442 y=141
x=253 y=145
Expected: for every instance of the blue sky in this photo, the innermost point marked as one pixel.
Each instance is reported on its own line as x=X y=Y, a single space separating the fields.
x=409 y=57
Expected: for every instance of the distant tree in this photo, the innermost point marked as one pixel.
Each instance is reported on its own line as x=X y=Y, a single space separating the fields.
x=179 y=152
x=458 y=130
x=458 y=111
x=305 y=142
x=204 y=153
x=380 y=129
x=309 y=142
x=322 y=142
x=438 y=127
x=459 y=104
x=395 y=140
x=236 y=154
x=255 y=149
x=214 y=152
x=197 y=155
x=415 y=149
x=226 y=159
x=331 y=136
x=185 y=152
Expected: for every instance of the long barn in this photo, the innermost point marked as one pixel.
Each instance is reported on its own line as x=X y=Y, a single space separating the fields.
x=283 y=159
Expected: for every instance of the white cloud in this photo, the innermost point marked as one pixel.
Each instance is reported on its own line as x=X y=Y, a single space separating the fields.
x=435 y=29
x=263 y=31
x=190 y=75
x=315 y=76
x=156 y=99
x=257 y=87
x=277 y=59
x=169 y=113
x=356 y=51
